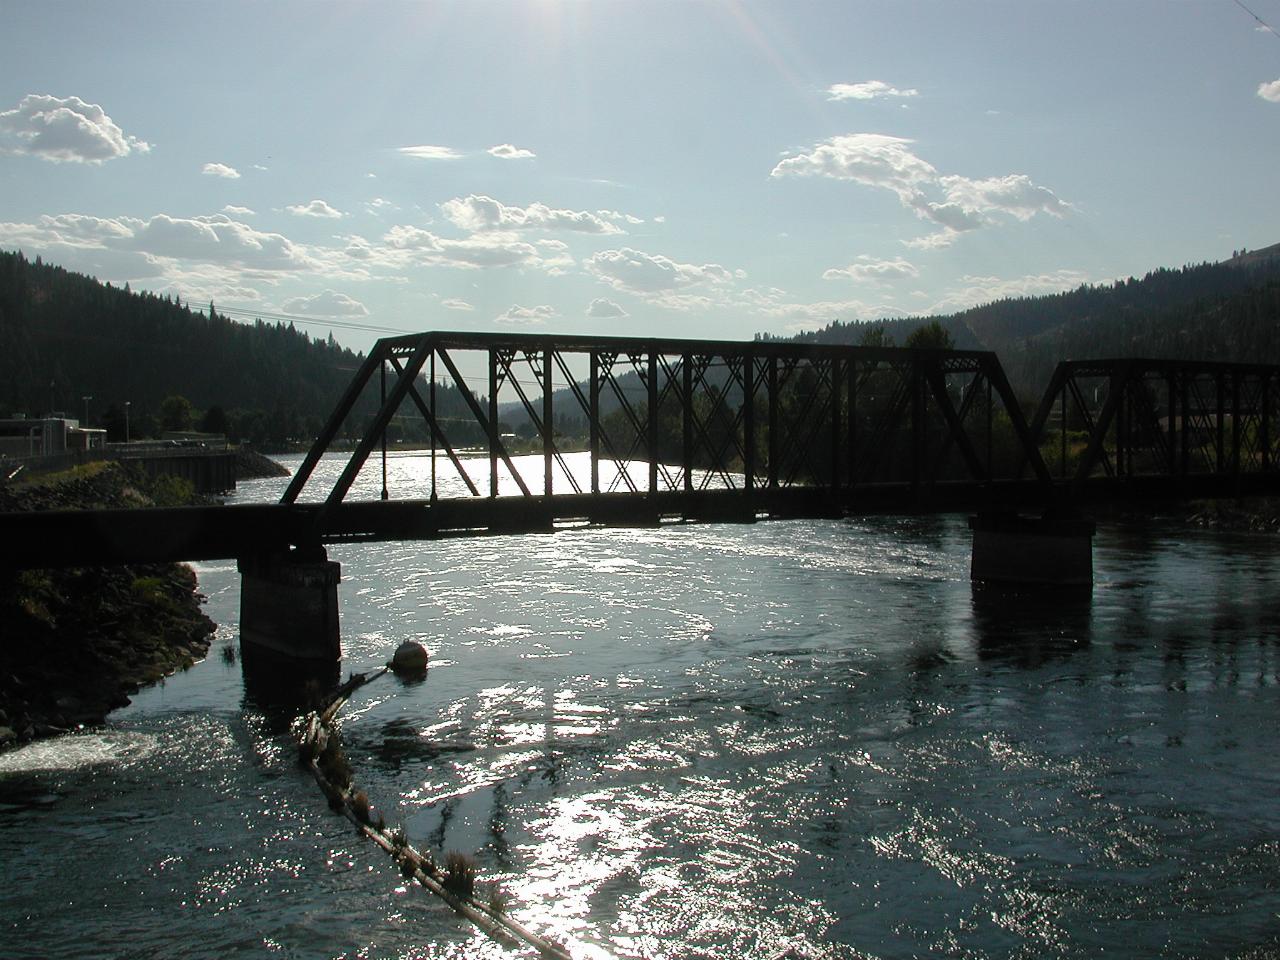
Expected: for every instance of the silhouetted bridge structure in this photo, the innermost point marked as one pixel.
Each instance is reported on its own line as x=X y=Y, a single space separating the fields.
x=678 y=430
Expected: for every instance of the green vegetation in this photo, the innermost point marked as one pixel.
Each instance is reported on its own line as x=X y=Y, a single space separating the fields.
x=1211 y=311
x=460 y=873
x=64 y=336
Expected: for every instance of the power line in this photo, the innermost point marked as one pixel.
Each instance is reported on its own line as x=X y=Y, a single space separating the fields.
x=239 y=313
x=1268 y=27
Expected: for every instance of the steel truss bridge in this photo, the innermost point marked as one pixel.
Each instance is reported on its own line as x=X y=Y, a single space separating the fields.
x=680 y=430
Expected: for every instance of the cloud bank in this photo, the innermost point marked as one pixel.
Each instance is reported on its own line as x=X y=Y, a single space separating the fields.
x=476 y=213
x=65 y=130
x=956 y=204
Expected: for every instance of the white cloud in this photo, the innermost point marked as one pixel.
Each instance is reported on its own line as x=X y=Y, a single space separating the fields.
x=956 y=204
x=316 y=208
x=235 y=211
x=378 y=204
x=1014 y=194
x=871 y=268
x=220 y=170
x=978 y=290
x=932 y=241
x=872 y=159
x=651 y=274
x=867 y=90
x=453 y=303
x=414 y=244
x=201 y=257
x=327 y=303
x=477 y=213
x=776 y=306
x=526 y=315
x=65 y=131
x=1270 y=91
x=506 y=151
x=604 y=309
x=217 y=239
x=429 y=152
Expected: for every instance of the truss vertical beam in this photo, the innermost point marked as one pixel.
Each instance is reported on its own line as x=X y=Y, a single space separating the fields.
x=548 y=425
x=494 y=439
x=774 y=446
x=1184 y=398
x=835 y=424
x=1235 y=424
x=593 y=417
x=382 y=377
x=1265 y=426
x=851 y=456
x=651 y=429
x=686 y=421
x=749 y=421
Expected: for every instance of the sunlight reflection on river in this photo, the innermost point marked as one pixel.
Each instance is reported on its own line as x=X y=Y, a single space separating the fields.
x=712 y=741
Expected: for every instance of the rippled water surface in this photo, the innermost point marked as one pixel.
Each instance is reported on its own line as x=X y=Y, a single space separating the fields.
x=703 y=741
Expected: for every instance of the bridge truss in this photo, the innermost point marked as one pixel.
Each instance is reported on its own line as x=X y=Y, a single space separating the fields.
x=708 y=430
x=1174 y=420
x=673 y=429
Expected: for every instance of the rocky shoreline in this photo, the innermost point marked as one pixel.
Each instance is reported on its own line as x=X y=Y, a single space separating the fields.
x=77 y=642
x=252 y=464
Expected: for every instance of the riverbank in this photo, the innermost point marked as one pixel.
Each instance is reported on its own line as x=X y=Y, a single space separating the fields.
x=251 y=464
x=79 y=641
x=1242 y=515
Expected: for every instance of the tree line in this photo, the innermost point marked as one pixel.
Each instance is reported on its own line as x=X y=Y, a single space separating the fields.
x=1223 y=311
x=65 y=336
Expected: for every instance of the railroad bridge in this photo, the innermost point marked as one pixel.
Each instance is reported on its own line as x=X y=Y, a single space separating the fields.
x=688 y=430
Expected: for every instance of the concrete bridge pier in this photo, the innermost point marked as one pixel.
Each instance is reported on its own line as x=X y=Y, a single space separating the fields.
x=1047 y=551
x=289 y=611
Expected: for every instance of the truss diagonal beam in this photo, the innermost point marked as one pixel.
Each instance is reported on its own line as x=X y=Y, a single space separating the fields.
x=483 y=421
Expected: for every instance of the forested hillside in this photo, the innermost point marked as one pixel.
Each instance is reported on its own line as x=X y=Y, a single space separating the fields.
x=1213 y=311
x=64 y=336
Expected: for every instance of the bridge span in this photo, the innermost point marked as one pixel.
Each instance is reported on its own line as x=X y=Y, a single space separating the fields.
x=684 y=430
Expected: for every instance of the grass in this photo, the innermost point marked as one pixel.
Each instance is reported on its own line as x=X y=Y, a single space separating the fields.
x=460 y=873
x=499 y=900
x=334 y=765
x=360 y=806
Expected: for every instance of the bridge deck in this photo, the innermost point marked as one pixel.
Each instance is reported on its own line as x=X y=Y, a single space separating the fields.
x=80 y=537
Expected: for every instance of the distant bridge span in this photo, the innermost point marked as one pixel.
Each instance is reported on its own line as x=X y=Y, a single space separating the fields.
x=715 y=431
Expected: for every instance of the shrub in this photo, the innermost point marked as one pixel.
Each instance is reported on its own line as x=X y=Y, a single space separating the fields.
x=460 y=873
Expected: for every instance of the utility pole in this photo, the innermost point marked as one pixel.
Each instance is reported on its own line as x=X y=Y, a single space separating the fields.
x=86 y=400
x=126 y=421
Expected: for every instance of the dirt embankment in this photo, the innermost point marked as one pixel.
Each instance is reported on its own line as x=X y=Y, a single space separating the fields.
x=76 y=642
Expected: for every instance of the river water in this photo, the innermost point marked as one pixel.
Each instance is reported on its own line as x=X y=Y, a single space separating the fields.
x=702 y=741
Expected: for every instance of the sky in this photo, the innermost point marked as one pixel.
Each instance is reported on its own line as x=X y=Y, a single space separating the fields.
x=700 y=169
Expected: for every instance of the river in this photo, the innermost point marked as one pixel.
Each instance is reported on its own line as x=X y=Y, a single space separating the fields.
x=702 y=741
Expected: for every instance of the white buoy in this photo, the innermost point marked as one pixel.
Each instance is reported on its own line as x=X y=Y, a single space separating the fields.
x=410 y=657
